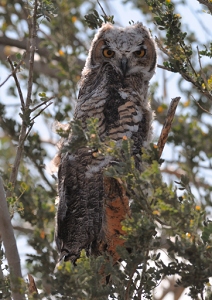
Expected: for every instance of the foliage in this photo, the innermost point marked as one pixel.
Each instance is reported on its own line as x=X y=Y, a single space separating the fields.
x=168 y=216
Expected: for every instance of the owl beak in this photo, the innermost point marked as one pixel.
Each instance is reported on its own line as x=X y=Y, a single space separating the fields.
x=124 y=65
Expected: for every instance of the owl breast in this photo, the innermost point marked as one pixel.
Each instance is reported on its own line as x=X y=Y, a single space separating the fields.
x=120 y=105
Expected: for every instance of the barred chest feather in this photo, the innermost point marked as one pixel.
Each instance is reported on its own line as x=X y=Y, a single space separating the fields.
x=120 y=104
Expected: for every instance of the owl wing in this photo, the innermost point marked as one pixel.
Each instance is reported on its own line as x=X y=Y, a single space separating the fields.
x=79 y=214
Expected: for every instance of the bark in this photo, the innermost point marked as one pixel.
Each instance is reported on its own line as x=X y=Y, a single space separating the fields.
x=10 y=245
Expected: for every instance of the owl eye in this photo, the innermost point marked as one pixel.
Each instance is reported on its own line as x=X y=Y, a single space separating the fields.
x=108 y=53
x=140 y=53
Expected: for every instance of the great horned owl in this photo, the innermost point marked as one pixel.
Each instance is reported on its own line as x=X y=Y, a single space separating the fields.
x=113 y=88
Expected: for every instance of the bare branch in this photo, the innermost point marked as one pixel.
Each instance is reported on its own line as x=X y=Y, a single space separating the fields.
x=5 y=80
x=14 y=172
x=16 y=81
x=167 y=124
x=41 y=111
x=25 y=230
x=179 y=172
x=164 y=68
x=14 y=70
x=32 y=49
x=205 y=110
x=207 y=3
x=10 y=246
x=102 y=8
x=39 y=105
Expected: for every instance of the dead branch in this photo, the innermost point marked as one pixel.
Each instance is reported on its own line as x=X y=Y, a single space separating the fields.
x=10 y=246
x=32 y=286
x=167 y=124
x=207 y=3
x=179 y=172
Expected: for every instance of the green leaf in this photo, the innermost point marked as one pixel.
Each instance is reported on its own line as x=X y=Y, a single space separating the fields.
x=207 y=231
x=18 y=56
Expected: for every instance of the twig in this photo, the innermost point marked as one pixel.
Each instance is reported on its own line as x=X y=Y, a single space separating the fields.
x=205 y=110
x=167 y=124
x=10 y=245
x=5 y=80
x=202 y=73
x=17 y=83
x=41 y=111
x=185 y=75
x=164 y=68
x=14 y=69
x=32 y=48
x=188 y=60
x=129 y=284
x=102 y=8
x=143 y=274
x=27 y=133
x=39 y=105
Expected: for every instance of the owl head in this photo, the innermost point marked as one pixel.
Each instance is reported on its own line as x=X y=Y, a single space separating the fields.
x=129 y=50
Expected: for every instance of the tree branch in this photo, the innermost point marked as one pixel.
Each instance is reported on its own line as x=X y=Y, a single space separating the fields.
x=22 y=136
x=14 y=71
x=185 y=75
x=207 y=3
x=164 y=68
x=32 y=49
x=167 y=124
x=10 y=246
x=39 y=66
x=41 y=51
x=24 y=230
x=16 y=80
x=179 y=172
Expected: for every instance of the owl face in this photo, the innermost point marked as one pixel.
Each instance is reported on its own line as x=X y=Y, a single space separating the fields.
x=129 y=50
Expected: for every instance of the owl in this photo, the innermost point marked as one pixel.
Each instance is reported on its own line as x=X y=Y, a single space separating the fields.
x=113 y=89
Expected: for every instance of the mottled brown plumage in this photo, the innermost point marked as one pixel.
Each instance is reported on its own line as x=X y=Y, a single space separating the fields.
x=113 y=88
